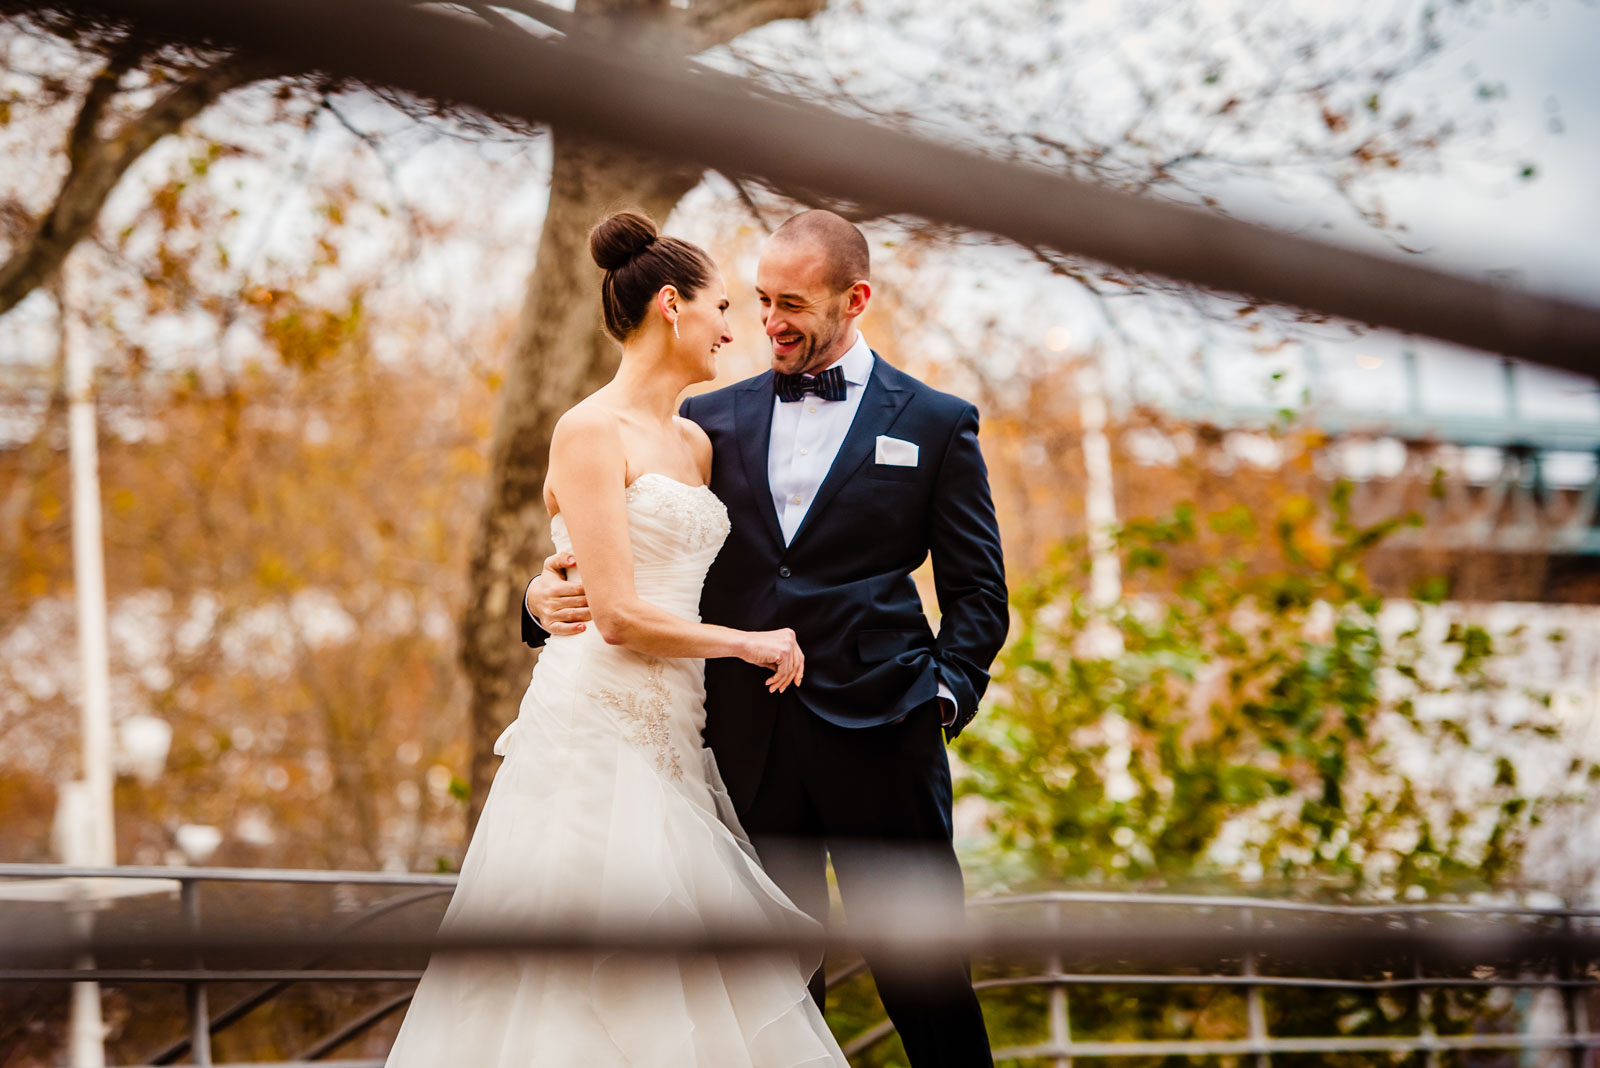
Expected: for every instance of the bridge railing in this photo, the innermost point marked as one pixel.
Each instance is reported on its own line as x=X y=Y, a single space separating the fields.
x=1069 y=944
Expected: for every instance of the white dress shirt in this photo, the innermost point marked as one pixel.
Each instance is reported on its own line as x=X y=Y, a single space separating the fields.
x=806 y=436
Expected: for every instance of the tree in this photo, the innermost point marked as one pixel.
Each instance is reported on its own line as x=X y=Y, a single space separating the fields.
x=1263 y=730
x=100 y=149
x=1282 y=701
x=1271 y=68
x=559 y=354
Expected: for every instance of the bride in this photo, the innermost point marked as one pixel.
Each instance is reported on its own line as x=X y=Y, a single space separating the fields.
x=608 y=808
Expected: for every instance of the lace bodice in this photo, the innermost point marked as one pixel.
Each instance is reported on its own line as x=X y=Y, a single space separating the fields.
x=676 y=531
x=695 y=511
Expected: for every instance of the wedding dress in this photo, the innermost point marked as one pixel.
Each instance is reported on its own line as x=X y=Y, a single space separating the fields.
x=608 y=807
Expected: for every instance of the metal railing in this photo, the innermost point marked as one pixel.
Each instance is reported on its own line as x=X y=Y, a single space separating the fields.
x=196 y=980
x=1253 y=947
x=1254 y=914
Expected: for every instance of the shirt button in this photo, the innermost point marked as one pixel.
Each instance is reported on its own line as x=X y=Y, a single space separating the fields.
x=795 y=499
x=784 y=572
x=811 y=408
x=804 y=451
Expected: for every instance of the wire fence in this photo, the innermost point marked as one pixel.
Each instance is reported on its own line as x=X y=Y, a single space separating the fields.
x=1068 y=945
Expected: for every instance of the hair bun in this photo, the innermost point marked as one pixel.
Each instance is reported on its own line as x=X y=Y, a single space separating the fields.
x=616 y=240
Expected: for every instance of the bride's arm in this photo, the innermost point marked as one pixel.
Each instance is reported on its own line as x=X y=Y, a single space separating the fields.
x=588 y=473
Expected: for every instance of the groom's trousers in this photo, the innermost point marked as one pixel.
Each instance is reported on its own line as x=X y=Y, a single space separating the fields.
x=877 y=800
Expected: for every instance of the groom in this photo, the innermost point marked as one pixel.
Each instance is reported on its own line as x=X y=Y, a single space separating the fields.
x=841 y=475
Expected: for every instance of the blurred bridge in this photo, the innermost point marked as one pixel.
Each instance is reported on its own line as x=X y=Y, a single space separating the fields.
x=1517 y=494
x=1535 y=971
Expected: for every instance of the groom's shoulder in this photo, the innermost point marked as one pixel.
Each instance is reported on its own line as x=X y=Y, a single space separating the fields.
x=717 y=399
x=929 y=398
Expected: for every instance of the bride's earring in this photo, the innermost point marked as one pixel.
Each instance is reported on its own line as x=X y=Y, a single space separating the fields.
x=675 y=330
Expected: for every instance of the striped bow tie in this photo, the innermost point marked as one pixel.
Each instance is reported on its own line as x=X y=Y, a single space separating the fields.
x=829 y=385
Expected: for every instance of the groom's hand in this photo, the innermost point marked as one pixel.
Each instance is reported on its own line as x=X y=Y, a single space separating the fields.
x=557 y=605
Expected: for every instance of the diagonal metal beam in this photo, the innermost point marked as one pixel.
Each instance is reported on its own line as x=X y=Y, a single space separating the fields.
x=616 y=88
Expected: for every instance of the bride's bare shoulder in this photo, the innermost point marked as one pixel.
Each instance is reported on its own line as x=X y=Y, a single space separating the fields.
x=585 y=451
x=585 y=423
x=699 y=444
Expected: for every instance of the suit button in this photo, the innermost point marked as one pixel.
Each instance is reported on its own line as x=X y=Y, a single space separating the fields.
x=784 y=572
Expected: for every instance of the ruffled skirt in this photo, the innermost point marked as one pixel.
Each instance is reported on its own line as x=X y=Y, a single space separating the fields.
x=591 y=821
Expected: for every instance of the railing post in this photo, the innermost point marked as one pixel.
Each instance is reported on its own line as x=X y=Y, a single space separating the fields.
x=195 y=992
x=1574 y=1010
x=1060 y=1021
x=88 y=1041
x=1425 y=1029
x=1255 y=1008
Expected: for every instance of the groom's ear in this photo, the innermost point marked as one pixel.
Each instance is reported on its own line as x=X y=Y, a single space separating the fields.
x=860 y=294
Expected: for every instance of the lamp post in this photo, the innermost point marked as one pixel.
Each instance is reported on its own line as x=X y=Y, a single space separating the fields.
x=89 y=579
x=93 y=841
x=83 y=835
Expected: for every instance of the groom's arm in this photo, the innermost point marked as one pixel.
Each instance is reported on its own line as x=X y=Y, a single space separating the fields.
x=969 y=575
x=533 y=635
x=551 y=604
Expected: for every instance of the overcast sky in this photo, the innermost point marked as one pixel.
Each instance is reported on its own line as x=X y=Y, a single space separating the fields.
x=1520 y=203
x=1469 y=211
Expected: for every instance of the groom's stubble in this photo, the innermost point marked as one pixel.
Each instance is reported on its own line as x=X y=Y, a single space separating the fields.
x=822 y=347
x=791 y=267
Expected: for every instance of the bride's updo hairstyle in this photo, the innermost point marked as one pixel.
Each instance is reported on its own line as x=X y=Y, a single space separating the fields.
x=638 y=261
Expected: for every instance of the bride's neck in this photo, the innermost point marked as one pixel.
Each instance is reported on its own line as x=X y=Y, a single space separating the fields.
x=644 y=381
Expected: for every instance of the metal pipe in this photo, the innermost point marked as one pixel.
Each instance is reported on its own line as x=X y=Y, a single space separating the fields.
x=1068 y=897
x=1060 y=1018
x=1478 y=944
x=195 y=991
x=1255 y=1008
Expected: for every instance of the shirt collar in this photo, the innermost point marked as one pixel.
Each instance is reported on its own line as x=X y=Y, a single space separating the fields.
x=856 y=362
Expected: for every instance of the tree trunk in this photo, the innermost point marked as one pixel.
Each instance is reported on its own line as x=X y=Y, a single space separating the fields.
x=560 y=354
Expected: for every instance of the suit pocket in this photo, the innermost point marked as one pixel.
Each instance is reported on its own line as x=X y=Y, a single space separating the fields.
x=875 y=646
x=893 y=472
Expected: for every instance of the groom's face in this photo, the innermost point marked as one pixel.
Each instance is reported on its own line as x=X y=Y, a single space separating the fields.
x=807 y=323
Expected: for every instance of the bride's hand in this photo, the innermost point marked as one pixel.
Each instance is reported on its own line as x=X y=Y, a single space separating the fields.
x=778 y=650
x=556 y=604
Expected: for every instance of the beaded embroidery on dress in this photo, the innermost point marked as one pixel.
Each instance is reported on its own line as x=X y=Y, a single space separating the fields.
x=608 y=808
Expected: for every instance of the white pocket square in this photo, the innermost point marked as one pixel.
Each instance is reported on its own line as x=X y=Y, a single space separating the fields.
x=895 y=452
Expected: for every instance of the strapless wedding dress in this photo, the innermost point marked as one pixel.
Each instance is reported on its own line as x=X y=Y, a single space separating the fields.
x=608 y=807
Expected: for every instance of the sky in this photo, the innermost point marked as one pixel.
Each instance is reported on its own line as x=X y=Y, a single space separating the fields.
x=1474 y=215
x=1527 y=64
x=1511 y=195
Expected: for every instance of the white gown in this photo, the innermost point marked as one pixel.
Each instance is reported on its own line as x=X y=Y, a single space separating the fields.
x=608 y=806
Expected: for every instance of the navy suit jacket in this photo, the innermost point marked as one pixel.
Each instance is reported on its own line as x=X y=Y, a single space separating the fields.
x=844 y=583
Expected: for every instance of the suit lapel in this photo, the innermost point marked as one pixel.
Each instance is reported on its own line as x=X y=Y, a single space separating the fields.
x=752 y=420
x=881 y=404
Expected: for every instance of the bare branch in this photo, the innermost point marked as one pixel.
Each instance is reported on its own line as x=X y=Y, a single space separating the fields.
x=717 y=22
x=98 y=163
x=101 y=90
x=749 y=201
